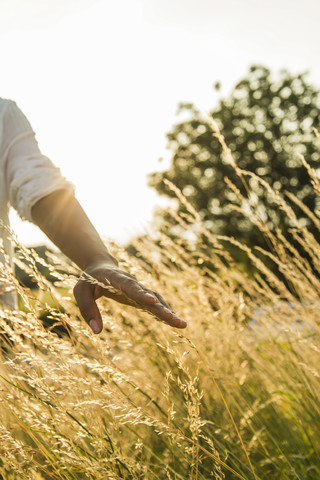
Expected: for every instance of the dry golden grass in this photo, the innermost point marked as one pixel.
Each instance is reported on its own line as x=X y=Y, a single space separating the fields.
x=236 y=395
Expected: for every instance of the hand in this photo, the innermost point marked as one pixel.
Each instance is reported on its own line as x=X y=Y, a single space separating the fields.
x=112 y=282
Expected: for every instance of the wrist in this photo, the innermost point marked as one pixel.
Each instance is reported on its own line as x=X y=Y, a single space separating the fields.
x=101 y=260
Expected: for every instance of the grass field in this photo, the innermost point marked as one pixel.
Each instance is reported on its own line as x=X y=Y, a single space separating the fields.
x=234 y=396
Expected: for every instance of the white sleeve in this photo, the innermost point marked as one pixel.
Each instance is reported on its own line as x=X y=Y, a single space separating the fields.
x=30 y=175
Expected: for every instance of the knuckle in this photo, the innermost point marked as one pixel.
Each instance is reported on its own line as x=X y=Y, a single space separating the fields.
x=128 y=282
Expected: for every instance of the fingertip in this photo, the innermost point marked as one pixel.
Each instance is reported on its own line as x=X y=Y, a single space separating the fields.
x=178 y=322
x=183 y=323
x=95 y=326
x=174 y=321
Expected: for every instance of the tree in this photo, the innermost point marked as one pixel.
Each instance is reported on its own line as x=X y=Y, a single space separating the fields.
x=268 y=124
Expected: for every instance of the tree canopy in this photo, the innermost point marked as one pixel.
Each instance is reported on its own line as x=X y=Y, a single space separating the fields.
x=268 y=122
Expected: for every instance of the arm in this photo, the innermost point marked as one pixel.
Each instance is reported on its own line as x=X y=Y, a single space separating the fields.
x=62 y=219
x=40 y=194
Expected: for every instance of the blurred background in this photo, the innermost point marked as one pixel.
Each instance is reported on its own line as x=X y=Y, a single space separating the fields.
x=100 y=82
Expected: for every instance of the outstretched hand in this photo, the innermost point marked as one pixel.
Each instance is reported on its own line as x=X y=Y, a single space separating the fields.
x=62 y=219
x=114 y=283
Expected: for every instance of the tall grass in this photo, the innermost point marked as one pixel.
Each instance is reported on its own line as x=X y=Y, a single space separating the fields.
x=236 y=395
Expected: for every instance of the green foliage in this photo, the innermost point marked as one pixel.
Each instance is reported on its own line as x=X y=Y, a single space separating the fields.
x=233 y=396
x=267 y=124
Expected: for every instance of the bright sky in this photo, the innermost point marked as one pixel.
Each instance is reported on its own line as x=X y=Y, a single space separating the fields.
x=100 y=81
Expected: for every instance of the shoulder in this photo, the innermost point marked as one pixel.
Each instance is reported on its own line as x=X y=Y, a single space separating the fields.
x=5 y=102
x=12 y=116
x=7 y=105
x=13 y=123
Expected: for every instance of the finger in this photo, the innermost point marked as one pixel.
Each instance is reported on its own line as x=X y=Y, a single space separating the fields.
x=166 y=315
x=159 y=308
x=132 y=289
x=133 y=293
x=120 y=298
x=162 y=300
x=84 y=295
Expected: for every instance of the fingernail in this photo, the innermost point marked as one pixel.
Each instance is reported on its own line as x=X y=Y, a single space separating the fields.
x=93 y=324
x=183 y=323
x=149 y=295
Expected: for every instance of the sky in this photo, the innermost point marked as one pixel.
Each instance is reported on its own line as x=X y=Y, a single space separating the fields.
x=100 y=81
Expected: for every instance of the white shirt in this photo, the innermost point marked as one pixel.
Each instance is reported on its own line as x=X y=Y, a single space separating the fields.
x=26 y=176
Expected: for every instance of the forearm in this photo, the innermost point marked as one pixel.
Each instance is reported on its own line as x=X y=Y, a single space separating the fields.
x=61 y=217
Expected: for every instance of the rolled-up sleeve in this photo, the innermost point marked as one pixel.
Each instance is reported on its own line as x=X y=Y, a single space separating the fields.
x=30 y=175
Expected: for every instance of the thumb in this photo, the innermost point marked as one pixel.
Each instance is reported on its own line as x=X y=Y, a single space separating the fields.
x=85 y=298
